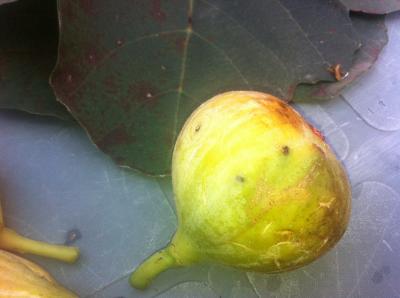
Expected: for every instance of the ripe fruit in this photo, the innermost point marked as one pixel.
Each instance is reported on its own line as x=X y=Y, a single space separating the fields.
x=22 y=278
x=256 y=188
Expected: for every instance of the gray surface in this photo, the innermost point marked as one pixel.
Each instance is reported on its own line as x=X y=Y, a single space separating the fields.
x=55 y=180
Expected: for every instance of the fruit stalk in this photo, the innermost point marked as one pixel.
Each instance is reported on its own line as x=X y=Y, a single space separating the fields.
x=11 y=240
x=153 y=266
x=180 y=252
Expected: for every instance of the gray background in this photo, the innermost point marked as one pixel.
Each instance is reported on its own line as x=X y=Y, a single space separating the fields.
x=54 y=180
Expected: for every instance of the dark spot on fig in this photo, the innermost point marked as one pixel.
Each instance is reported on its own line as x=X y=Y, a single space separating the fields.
x=72 y=236
x=240 y=179
x=285 y=150
x=377 y=277
x=197 y=128
x=159 y=259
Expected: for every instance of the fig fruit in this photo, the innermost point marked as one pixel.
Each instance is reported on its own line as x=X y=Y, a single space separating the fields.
x=22 y=278
x=256 y=187
x=12 y=241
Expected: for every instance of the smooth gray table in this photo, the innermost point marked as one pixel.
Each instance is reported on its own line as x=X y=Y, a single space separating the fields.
x=54 y=181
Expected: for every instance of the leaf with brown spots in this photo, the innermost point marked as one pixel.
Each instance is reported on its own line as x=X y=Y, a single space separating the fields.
x=28 y=53
x=139 y=68
x=373 y=35
x=372 y=6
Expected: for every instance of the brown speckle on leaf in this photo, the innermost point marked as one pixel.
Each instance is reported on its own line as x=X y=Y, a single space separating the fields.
x=143 y=92
x=336 y=70
x=117 y=136
x=110 y=84
x=180 y=44
x=156 y=12
x=87 y=6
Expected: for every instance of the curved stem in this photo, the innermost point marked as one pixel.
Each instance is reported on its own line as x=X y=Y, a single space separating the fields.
x=153 y=266
x=10 y=240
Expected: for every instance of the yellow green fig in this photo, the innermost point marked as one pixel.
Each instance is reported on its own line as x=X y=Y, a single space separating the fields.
x=22 y=278
x=256 y=188
x=12 y=241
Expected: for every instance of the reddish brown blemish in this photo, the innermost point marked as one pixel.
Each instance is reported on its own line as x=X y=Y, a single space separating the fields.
x=66 y=78
x=93 y=55
x=336 y=70
x=180 y=44
x=87 y=6
x=117 y=136
x=143 y=92
x=374 y=51
x=110 y=85
x=290 y=92
x=68 y=10
x=156 y=12
x=317 y=132
x=320 y=92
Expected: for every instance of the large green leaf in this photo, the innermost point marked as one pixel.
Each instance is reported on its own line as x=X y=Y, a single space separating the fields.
x=373 y=35
x=28 y=51
x=133 y=71
x=373 y=6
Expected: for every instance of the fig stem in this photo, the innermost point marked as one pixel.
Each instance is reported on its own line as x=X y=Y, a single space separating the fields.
x=153 y=266
x=11 y=240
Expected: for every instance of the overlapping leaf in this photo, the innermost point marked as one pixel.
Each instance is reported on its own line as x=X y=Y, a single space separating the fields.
x=373 y=6
x=28 y=50
x=131 y=73
x=373 y=35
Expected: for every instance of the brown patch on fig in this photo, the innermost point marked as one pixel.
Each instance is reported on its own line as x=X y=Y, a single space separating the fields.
x=240 y=179
x=285 y=150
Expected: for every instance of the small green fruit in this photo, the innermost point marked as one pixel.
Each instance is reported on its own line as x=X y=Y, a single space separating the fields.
x=256 y=188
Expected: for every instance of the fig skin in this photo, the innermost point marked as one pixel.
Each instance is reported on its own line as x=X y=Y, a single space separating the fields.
x=22 y=278
x=256 y=188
